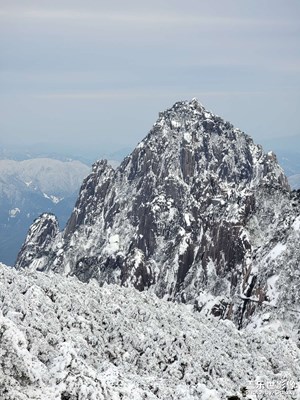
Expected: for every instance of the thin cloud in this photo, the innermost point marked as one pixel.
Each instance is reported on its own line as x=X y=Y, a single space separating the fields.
x=140 y=18
x=71 y=65
x=98 y=95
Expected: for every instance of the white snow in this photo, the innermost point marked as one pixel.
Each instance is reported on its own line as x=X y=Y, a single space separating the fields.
x=38 y=263
x=185 y=241
x=187 y=217
x=296 y=224
x=172 y=213
x=272 y=293
x=14 y=212
x=113 y=244
x=175 y=123
x=53 y=198
x=67 y=269
x=187 y=137
x=140 y=145
x=276 y=251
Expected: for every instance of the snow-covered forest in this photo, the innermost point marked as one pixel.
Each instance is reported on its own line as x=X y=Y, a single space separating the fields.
x=62 y=339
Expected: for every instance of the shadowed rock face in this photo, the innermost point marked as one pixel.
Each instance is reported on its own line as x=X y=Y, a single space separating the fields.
x=186 y=215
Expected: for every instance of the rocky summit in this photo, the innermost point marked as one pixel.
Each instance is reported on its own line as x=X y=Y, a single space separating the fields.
x=197 y=213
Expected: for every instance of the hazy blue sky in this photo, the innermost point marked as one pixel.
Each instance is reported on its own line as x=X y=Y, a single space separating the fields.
x=93 y=75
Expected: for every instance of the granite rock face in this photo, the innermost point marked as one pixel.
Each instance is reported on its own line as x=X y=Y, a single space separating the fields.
x=193 y=215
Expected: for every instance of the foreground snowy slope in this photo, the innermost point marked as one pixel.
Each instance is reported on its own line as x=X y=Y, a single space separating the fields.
x=62 y=339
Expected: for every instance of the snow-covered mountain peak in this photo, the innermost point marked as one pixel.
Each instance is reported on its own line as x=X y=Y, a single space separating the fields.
x=186 y=109
x=184 y=116
x=191 y=215
x=187 y=142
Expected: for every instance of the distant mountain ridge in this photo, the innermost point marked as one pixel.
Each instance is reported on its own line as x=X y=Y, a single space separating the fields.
x=290 y=162
x=294 y=181
x=30 y=187
x=197 y=213
x=45 y=174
